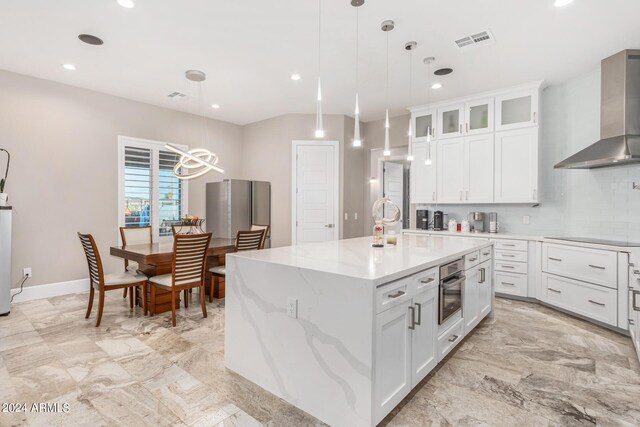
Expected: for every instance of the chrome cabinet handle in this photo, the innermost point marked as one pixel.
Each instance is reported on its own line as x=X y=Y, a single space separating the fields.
x=508 y=283
x=453 y=338
x=473 y=259
x=508 y=244
x=413 y=317
x=486 y=253
x=597 y=267
x=397 y=294
x=329 y=225
x=425 y=281
x=467 y=128
x=555 y=259
x=554 y=290
x=482 y=275
x=635 y=301
x=433 y=197
x=507 y=266
x=596 y=303
x=461 y=195
x=466 y=195
x=535 y=193
x=534 y=117
x=509 y=255
x=417 y=322
x=460 y=127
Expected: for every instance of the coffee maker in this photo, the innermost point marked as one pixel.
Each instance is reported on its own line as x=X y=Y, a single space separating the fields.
x=438 y=220
x=422 y=219
x=476 y=221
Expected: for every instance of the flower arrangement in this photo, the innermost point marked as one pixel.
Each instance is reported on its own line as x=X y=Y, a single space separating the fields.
x=191 y=220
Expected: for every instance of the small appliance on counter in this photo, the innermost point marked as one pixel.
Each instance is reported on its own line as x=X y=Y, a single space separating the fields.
x=438 y=221
x=422 y=219
x=493 y=222
x=476 y=222
x=466 y=226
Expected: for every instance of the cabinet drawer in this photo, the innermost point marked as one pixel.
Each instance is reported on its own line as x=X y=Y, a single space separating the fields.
x=449 y=339
x=511 y=267
x=511 y=245
x=593 y=301
x=392 y=294
x=512 y=284
x=590 y=265
x=485 y=254
x=471 y=260
x=503 y=255
x=425 y=279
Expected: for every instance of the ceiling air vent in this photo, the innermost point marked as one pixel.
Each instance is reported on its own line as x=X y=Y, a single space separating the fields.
x=177 y=95
x=479 y=39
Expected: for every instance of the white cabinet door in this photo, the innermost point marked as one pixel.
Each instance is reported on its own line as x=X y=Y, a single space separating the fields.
x=470 y=305
x=423 y=346
x=485 y=290
x=516 y=164
x=479 y=116
x=450 y=121
x=479 y=170
x=517 y=110
x=393 y=358
x=423 y=122
x=450 y=170
x=423 y=176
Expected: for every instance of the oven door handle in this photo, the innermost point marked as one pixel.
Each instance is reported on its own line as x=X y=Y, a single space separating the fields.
x=451 y=283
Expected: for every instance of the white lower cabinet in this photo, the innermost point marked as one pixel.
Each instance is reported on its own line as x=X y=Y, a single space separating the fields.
x=477 y=295
x=593 y=301
x=393 y=358
x=511 y=284
x=423 y=351
x=450 y=339
x=485 y=290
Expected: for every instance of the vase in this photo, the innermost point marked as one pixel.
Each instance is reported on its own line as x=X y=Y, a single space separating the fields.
x=3 y=199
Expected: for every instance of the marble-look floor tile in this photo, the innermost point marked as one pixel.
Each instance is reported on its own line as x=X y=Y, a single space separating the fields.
x=81 y=413
x=42 y=383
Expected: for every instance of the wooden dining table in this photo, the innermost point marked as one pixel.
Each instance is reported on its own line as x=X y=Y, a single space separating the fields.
x=156 y=258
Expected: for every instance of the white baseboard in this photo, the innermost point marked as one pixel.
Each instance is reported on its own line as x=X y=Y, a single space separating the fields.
x=30 y=293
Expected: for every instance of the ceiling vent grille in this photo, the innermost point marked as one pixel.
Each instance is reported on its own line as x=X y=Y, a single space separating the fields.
x=479 y=39
x=177 y=95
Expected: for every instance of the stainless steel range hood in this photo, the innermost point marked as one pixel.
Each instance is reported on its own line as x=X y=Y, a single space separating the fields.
x=619 y=116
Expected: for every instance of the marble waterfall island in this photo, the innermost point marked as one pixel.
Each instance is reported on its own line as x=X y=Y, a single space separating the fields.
x=344 y=331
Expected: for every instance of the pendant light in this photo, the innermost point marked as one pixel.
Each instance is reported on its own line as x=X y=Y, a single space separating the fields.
x=428 y=62
x=410 y=46
x=386 y=27
x=319 y=127
x=357 y=142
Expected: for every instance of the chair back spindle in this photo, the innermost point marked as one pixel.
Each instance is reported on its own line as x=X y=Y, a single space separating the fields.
x=249 y=240
x=94 y=262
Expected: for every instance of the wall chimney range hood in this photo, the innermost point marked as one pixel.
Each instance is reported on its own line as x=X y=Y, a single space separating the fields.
x=619 y=116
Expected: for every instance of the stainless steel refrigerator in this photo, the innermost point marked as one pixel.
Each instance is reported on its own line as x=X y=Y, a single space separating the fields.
x=236 y=204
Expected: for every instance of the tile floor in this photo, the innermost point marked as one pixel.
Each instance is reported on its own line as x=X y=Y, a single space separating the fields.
x=529 y=365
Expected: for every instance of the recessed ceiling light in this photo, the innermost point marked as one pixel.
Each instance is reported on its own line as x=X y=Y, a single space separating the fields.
x=126 y=3
x=436 y=86
x=215 y=106
x=91 y=39
x=561 y=3
x=69 y=67
x=295 y=77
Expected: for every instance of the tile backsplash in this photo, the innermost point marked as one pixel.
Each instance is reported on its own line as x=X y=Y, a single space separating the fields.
x=591 y=203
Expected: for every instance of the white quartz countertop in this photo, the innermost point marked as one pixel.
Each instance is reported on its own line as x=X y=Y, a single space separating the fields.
x=357 y=258
x=532 y=238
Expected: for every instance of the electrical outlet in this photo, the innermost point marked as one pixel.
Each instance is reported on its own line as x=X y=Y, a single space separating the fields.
x=292 y=308
x=346 y=216
x=26 y=272
x=355 y=216
x=526 y=219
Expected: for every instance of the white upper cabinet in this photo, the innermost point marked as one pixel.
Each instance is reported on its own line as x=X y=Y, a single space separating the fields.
x=478 y=168
x=450 y=121
x=517 y=110
x=423 y=176
x=479 y=116
x=516 y=163
x=423 y=121
x=451 y=170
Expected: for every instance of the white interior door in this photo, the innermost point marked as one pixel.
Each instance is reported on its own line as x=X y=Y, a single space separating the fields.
x=315 y=196
x=393 y=179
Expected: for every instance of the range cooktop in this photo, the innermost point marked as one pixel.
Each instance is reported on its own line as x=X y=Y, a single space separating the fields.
x=597 y=241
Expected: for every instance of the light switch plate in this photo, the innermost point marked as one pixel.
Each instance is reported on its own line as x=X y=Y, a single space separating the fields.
x=346 y=216
x=292 y=308
x=355 y=216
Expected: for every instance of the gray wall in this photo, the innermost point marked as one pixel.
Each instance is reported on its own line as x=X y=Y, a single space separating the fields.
x=63 y=177
x=593 y=203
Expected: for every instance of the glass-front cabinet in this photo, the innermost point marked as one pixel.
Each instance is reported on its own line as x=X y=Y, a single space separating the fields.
x=479 y=116
x=423 y=122
x=517 y=110
x=450 y=121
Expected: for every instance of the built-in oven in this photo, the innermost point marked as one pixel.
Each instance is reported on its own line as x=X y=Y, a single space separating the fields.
x=451 y=285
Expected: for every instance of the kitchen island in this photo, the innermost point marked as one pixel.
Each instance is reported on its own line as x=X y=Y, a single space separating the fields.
x=343 y=330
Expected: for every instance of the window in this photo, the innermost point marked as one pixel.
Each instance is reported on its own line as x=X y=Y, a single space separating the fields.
x=149 y=193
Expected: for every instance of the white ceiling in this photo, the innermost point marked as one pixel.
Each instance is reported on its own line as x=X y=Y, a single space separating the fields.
x=249 y=49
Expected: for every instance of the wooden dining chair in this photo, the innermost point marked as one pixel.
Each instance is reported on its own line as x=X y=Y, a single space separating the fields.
x=255 y=227
x=104 y=282
x=188 y=271
x=249 y=240
x=134 y=236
